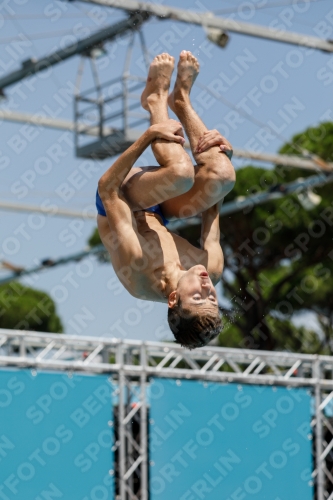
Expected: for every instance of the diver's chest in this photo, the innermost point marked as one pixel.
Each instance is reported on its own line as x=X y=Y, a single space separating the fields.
x=159 y=245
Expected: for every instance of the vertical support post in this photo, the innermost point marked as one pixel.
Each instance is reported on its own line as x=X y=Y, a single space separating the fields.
x=105 y=355
x=144 y=49
x=23 y=351
x=101 y=118
x=319 y=430
x=121 y=416
x=128 y=427
x=143 y=424
x=100 y=100
x=76 y=102
x=76 y=120
x=126 y=73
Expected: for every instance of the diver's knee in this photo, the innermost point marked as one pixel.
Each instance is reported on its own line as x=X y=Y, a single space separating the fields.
x=184 y=176
x=222 y=173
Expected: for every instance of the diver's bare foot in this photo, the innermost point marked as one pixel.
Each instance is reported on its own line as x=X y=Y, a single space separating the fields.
x=158 y=80
x=188 y=70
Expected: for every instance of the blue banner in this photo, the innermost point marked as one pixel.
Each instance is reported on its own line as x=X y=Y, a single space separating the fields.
x=229 y=442
x=56 y=436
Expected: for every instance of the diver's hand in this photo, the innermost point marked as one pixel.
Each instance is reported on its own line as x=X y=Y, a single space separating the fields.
x=212 y=138
x=170 y=130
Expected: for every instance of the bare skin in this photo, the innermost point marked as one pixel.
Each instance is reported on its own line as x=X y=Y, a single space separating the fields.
x=164 y=258
x=193 y=189
x=150 y=261
x=144 y=188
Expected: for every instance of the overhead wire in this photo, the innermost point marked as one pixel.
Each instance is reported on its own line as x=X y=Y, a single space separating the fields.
x=44 y=36
x=65 y=15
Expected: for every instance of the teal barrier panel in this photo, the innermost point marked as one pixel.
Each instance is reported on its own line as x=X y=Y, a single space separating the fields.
x=56 y=436
x=229 y=442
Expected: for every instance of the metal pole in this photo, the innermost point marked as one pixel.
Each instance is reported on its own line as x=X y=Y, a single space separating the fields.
x=121 y=428
x=262 y=197
x=76 y=102
x=125 y=82
x=59 y=212
x=319 y=431
x=288 y=160
x=144 y=49
x=43 y=121
x=55 y=123
x=31 y=67
x=128 y=427
x=143 y=425
x=208 y=20
x=50 y=264
x=257 y=199
x=100 y=100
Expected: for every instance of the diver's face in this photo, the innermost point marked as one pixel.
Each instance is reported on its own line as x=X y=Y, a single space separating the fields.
x=195 y=288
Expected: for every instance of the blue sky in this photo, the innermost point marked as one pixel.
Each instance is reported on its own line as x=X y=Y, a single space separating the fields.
x=287 y=87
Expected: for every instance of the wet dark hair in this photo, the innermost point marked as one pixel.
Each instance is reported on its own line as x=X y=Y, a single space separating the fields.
x=194 y=328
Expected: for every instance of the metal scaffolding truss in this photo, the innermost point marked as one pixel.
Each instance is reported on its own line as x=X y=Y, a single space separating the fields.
x=132 y=363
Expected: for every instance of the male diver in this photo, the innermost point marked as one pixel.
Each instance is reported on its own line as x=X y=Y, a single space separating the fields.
x=135 y=204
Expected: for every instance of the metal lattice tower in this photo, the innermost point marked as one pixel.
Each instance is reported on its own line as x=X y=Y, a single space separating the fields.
x=131 y=364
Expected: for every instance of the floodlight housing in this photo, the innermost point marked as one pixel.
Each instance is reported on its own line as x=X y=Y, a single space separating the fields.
x=97 y=51
x=217 y=36
x=308 y=199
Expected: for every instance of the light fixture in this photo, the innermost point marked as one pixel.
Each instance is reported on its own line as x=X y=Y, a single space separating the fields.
x=28 y=63
x=308 y=199
x=97 y=51
x=217 y=36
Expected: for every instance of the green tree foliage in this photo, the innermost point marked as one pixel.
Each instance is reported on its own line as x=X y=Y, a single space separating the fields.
x=317 y=140
x=95 y=239
x=24 y=308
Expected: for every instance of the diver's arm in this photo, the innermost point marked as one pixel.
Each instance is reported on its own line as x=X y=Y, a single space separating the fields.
x=113 y=178
x=210 y=241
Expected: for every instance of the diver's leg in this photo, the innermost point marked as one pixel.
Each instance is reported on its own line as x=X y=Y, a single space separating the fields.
x=146 y=187
x=214 y=173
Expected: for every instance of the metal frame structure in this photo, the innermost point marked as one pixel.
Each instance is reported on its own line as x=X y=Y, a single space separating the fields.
x=114 y=116
x=131 y=363
x=84 y=46
x=40 y=120
x=211 y=22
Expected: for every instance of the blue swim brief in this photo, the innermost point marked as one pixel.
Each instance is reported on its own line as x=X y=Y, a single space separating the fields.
x=156 y=209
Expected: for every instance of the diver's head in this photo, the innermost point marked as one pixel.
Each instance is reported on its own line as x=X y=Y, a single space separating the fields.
x=193 y=314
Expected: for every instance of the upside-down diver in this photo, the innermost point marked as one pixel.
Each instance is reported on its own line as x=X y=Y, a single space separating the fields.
x=135 y=205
